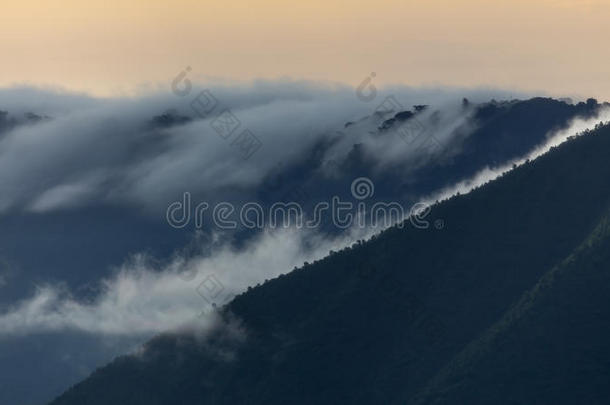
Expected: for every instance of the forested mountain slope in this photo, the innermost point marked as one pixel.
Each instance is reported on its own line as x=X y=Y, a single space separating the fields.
x=429 y=316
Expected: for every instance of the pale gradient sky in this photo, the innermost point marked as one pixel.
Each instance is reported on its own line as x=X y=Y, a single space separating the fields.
x=115 y=47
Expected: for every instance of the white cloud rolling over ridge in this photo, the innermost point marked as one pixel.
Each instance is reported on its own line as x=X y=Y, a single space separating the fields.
x=142 y=300
x=576 y=128
x=106 y=151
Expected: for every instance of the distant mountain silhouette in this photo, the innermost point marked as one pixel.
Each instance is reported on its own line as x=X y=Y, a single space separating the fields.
x=507 y=304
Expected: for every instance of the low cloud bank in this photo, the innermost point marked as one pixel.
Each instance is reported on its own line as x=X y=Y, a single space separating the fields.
x=146 y=151
x=142 y=299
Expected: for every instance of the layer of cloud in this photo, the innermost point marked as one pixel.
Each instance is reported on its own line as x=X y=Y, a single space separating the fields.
x=114 y=151
x=142 y=299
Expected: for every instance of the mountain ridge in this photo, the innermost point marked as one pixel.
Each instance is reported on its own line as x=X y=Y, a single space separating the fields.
x=303 y=329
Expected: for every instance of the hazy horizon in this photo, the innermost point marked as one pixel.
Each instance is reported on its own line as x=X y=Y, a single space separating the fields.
x=110 y=48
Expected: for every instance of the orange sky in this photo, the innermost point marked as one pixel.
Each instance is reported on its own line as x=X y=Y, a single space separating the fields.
x=115 y=47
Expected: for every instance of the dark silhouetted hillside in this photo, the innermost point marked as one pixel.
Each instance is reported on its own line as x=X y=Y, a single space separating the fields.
x=507 y=304
x=99 y=237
